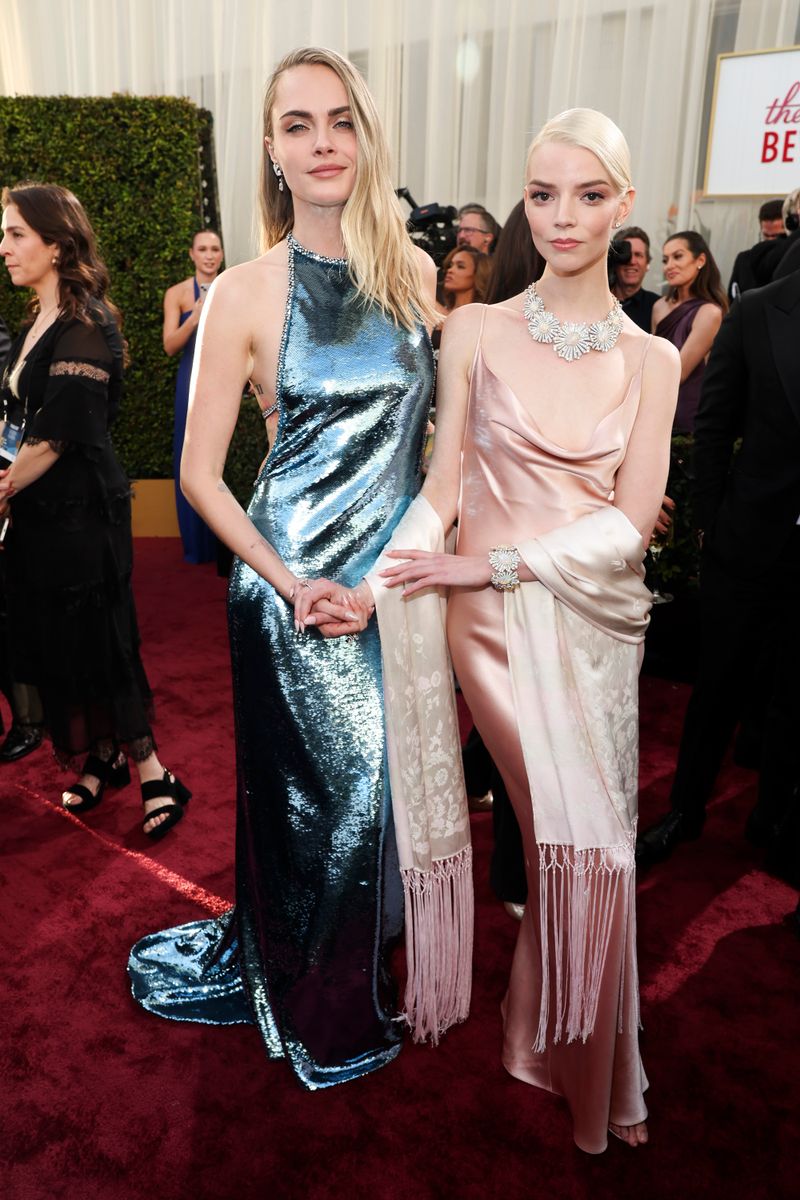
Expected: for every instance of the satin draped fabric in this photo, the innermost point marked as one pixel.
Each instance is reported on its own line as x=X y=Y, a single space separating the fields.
x=549 y=681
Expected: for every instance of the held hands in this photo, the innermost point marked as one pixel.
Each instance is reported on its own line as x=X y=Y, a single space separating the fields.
x=337 y=611
x=333 y=609
x=423 y=570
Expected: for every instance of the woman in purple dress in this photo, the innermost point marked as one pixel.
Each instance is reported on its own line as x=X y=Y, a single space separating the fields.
x=689 y=315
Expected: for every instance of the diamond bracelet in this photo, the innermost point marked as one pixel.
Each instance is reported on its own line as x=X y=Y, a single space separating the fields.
x=504 y=561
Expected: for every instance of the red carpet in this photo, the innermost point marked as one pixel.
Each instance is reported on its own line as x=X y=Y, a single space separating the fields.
x=103 y=1102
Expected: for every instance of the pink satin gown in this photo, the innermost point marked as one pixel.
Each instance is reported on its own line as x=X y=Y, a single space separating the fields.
x=517 y=485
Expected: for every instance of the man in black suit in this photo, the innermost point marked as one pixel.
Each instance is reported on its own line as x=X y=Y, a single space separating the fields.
x=753 y=268
x=749 y=508
x=781 y=256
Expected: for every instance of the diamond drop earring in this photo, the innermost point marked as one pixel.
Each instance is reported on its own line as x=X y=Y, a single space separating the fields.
x=278 y=174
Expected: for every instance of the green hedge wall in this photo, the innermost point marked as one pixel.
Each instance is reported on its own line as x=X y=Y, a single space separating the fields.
x=142 y=169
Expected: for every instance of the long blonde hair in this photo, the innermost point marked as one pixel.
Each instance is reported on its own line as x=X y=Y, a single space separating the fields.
x=591 y=130
x=383 y=261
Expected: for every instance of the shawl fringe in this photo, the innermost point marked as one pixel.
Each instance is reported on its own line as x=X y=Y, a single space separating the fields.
x=438 y=945
x=579 y=893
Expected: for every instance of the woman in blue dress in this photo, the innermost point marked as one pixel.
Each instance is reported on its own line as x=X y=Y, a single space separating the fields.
x=329 y=328
x=183 y=304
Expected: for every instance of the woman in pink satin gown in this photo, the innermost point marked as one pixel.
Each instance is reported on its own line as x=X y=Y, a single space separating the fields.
x=528 y=442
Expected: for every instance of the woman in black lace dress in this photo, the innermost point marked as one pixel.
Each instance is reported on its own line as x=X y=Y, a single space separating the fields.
x=69 y=549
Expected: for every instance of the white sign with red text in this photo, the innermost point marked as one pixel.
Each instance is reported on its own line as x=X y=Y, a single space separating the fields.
x=754 y=139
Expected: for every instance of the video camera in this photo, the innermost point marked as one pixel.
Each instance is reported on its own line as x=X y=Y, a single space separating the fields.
x=619 y=254
x=431 y=226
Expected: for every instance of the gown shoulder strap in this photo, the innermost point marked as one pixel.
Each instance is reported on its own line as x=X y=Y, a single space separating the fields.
x=478 y=342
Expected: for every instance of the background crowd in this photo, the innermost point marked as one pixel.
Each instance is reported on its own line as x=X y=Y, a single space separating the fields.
x=71 y=639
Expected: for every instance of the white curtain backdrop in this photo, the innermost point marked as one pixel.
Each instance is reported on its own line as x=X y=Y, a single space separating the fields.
x=462 y=84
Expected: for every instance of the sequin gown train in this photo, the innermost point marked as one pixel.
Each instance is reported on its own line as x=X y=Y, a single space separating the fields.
x=318 y=890
x=516 y=485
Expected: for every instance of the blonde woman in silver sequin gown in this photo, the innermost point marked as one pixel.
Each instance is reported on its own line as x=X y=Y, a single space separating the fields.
x=328 y=325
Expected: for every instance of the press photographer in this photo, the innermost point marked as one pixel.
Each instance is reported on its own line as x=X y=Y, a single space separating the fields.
x=628 y=263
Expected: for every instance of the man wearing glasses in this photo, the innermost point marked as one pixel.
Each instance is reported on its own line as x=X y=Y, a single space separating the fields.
x=477 y=228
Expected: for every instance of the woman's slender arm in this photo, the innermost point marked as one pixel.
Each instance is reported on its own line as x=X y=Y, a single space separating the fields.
x=699 y=342
x=640 y=482
x=223 y=364
x=175 y=336
x=29 y=465
x=443 y=481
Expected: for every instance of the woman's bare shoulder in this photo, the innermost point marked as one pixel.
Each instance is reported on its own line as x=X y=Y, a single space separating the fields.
x=462 y=327
x=654 y=355
x=426 y=265
x=660 y=353
x=661 y=307
x=460 y=335
x=463 y=321
x=255 y=282
x=428 y=276
x=661 y=372
x=178 y=290
x=710 y=314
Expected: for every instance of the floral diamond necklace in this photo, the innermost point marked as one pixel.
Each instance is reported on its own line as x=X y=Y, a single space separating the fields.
x=570 y=339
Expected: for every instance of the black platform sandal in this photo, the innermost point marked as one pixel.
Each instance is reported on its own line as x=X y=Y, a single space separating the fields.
x=171 y=789
x=112 y=772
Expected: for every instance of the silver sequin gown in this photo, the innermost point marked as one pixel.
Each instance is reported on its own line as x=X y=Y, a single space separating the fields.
x=318 y=890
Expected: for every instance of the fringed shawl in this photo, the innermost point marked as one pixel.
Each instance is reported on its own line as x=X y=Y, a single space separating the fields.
x=573 y=640
x=573 y=652
x=429 y=800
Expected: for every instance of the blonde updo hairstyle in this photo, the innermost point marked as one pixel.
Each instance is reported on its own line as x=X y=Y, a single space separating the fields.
x=590 y=130
x=383 y=261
